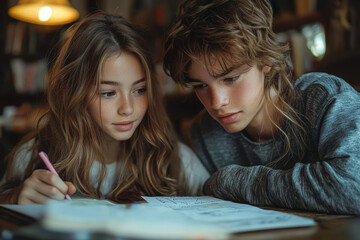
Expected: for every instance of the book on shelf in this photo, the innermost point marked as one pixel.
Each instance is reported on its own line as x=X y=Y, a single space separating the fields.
x=29 y=77
x=15 y=35
x=23 y=39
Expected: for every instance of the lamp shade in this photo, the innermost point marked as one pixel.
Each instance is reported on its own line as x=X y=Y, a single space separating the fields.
x=50 y=12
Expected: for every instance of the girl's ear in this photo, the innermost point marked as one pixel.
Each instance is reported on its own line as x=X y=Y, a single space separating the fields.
x=266 y=69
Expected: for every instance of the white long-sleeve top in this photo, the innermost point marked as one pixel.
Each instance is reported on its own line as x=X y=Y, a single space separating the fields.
x=193 y=170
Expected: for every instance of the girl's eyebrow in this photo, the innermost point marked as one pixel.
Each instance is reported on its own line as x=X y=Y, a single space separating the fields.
x=114 y=83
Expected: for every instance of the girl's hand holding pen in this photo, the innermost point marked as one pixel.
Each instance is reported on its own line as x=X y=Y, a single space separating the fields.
x=44 y=185
x=48 y=164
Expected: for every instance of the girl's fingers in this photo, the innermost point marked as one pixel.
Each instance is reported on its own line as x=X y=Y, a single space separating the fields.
x=41 y=187
x=52 y=179
x=71 y=188
x=30 y=196
x=48 y=190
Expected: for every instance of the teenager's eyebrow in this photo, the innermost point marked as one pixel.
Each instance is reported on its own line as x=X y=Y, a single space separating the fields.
x=193 y=80
x=229 y=70
x=114 y=83
x=226 y=72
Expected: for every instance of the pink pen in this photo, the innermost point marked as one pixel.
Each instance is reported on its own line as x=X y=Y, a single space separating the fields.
x=48 y=164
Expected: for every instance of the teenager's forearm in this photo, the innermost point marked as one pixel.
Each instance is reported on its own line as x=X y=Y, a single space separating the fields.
x=304 y=187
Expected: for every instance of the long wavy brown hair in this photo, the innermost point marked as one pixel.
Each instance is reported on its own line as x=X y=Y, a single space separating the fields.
x=233 y=32
x=72 y=139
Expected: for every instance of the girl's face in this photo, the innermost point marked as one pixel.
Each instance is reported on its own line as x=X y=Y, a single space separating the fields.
x=122 y=102
x=235 y=99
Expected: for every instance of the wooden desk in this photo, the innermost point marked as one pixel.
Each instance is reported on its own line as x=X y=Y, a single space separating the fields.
x=329 y=227
x=334 y=229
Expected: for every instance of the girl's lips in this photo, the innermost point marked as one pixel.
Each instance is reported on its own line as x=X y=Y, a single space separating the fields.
x=228 y=118
x=124 y=126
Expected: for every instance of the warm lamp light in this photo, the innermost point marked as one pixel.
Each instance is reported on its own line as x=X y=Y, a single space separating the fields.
x=50 y=12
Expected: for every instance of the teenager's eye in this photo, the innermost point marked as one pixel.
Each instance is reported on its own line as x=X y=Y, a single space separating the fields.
x=198 y=86
x=231 y=79
x=107 y=94
x=141 y=90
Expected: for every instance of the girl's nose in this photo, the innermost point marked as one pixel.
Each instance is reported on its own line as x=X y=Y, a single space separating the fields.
x=125 y=106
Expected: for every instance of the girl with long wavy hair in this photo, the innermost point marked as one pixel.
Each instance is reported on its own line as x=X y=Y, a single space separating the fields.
x=105 y=129
x=266 y=138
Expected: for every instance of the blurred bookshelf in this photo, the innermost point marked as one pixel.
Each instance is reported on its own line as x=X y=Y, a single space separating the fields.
x=26 y=50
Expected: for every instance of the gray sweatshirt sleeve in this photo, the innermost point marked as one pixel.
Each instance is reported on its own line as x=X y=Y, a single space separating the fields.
x=327 y=181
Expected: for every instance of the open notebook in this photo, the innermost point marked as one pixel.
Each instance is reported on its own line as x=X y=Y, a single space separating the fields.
x=160 y=218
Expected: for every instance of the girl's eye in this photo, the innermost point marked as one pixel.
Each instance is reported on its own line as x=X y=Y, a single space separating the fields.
x=140 y=90
x=107 y=94
x=198 y=86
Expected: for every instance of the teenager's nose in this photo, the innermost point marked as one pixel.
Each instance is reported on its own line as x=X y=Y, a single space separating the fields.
x=125 y=105
x=218 y=98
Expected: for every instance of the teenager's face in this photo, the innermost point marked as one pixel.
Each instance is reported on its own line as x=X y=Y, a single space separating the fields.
x=235 y=99
x=122 y=98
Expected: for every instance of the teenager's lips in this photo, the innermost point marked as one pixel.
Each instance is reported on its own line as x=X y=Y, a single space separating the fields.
x=124 y=126
x=227 y=118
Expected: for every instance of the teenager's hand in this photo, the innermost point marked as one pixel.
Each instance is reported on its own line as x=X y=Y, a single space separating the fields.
x=43 y=186
x=222 y=184
x=210 y=186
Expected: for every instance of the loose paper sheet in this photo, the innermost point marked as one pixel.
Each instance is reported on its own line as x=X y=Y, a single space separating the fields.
x=233 y=217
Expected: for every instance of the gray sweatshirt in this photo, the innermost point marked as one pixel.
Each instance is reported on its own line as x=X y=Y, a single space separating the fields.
x=325 y=179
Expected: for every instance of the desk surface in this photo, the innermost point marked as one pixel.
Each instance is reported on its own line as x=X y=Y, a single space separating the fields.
x=329 y=227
